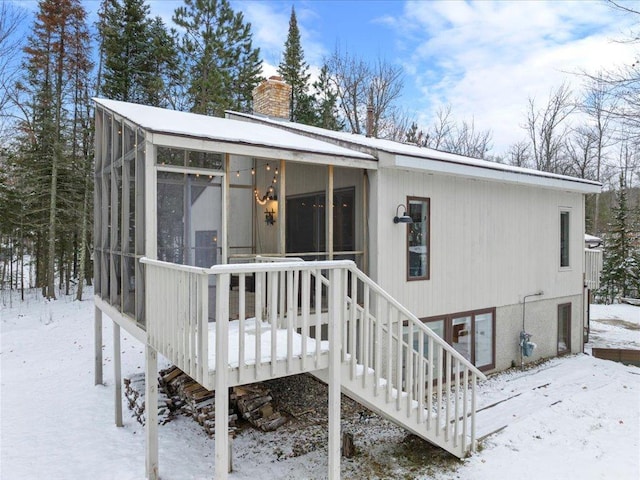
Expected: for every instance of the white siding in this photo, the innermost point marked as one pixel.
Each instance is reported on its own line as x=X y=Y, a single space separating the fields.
x=491 y=243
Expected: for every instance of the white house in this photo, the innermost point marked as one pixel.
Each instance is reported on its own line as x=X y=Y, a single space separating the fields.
x=422 y=263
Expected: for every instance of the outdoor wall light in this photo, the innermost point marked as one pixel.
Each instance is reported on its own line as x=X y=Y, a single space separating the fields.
x=404 y=218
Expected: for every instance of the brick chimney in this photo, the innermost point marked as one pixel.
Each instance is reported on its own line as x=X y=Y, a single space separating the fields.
x=272 y=98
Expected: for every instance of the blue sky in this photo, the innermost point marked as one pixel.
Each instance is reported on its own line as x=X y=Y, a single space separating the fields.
x=485 y=58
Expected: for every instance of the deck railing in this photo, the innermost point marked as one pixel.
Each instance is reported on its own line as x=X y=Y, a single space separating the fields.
x=177 y=306
x=592 y=267
x=409 y=364
x=284 y=326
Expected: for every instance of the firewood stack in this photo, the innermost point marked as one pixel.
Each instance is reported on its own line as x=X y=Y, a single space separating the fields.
x=179 y=392
x=193 y=399
x=255 y=404
x=134 y=392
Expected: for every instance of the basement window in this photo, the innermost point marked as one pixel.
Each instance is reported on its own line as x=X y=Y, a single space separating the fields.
x=472 y=334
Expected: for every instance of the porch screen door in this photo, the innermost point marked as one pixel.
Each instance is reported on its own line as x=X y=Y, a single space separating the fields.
x=189 y=218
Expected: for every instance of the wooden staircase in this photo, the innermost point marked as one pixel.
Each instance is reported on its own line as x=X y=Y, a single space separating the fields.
x=327 y=318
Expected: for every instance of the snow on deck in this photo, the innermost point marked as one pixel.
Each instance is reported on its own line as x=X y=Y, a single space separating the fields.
x=251 y=338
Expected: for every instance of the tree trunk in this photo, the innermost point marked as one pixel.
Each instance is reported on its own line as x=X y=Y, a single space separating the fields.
x=83 y=239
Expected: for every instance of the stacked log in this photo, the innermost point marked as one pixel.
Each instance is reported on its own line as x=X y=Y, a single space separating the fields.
x=194 y=400
x=255 y=404
x=134 y=392
x=178 y=392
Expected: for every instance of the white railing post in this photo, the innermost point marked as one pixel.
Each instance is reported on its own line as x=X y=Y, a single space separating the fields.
x=273 y=300
x=222 y=374
x=335 y=348
x=117 y=374
x=473 y=412
x=97 y=345
x=151 y=412
x=203 y=328
x=241 y=326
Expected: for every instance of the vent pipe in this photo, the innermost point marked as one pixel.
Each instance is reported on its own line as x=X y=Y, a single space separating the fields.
x=369 y=120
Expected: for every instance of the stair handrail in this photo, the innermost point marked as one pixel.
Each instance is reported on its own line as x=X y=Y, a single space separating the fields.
x=415 y=320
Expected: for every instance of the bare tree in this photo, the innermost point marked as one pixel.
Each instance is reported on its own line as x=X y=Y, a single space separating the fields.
x=548 y=129
x=359 y=84
x=581 y=148
x=519 y=154
x=400 y=122
x=599 y=104
x=11 y=17
x=447 y=135
x=441 y=128
x=628 y=164
x=464 y=139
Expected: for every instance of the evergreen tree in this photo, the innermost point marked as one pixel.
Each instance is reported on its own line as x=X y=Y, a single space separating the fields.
x=326 y=102
x=620 y=269
x=138 y=54
x=56 y=64
x=295 y=71
x=221 y=66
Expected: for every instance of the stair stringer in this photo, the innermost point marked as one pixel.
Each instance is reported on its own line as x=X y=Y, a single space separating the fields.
x=378 y=403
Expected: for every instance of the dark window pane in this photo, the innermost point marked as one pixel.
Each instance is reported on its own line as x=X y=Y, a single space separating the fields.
x=564 y=239
x=564 y=328
x=418 y=239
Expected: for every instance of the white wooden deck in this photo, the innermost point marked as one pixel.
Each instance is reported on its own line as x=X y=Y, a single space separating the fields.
x=374 y=350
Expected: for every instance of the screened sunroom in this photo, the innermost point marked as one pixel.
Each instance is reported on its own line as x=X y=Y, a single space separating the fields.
x=197 y=190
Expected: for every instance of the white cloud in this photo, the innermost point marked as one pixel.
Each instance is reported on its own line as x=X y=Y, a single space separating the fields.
x=487 y=58
x=270 y=25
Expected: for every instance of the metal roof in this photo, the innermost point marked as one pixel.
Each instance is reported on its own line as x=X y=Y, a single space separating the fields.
x=413 y=157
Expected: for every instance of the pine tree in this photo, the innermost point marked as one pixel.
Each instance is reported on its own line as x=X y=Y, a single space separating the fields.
x=221 y=66
x=295 y=71
x=56 y=58
x=138 y=54
x=620 y=267
x=326 y=102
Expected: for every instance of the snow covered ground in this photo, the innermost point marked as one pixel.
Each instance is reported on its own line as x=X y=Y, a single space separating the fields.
x=574 y=417
x=614 y=326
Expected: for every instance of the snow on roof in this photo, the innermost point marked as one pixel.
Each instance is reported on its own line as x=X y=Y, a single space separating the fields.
x=591 y=240
x=172 y=122
x=408 y=153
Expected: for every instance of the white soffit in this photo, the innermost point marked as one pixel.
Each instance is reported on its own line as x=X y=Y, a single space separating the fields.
x=236 y=132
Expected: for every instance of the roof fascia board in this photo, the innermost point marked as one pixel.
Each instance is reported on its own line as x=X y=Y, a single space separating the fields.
x=471 y=171
x=238 y=148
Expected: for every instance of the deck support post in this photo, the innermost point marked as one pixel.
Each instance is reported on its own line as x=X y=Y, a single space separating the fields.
x=117 y=375
x=222 y=373
x=335 y=349
x=97 y=335
x=151 y=412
